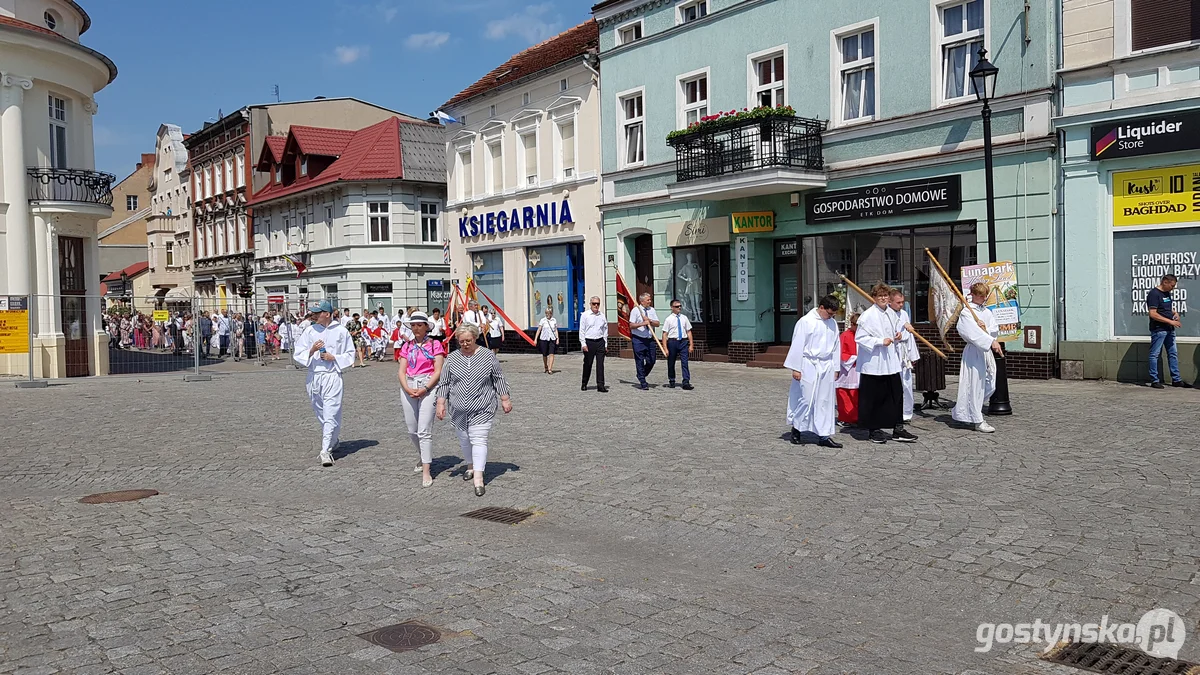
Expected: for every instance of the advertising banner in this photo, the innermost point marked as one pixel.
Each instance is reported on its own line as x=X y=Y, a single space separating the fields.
x=1003 y=296
x=14 y=325
x=1140 y=259
x=1157 y=196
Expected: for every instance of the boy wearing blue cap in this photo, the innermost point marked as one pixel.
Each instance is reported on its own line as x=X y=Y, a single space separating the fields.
x=325 y=349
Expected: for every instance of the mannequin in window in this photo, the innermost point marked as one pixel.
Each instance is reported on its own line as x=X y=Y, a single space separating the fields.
x=689 y=277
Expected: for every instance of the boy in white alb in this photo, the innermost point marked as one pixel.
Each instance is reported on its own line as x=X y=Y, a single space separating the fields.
x=906 y=347
x=325 y=349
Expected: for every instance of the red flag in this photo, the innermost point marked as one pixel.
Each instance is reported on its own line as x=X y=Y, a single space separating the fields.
x=506 y=319
x=300 y=267
x=624 y=304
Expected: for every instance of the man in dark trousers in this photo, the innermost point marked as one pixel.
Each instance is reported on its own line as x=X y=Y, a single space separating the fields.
x=1163 y=322
x=176 y=336
x=642 y=322
x=206 y=333
x=593 y=334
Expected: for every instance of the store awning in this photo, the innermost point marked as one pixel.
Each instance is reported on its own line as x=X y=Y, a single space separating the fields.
x=179 y=293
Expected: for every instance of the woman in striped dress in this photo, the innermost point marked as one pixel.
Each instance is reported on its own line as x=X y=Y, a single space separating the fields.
x=471 y=385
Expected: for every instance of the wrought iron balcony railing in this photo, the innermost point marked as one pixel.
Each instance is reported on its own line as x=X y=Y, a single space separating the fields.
x=70 y=185
x=773 y=142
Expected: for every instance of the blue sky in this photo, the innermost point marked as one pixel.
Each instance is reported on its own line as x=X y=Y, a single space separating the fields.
x=406 y=55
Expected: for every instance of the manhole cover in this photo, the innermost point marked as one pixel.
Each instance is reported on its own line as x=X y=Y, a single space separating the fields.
x=1110 y=658
x=403 y=637
x=118 y=496
x=499 y=514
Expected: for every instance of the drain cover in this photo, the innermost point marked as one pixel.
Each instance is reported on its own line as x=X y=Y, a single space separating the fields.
x=1110 y=658
x=403 y=637
x=118 y=496
x=499 y=514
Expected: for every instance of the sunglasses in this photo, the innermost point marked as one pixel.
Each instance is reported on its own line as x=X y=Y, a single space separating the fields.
x=676 y=306
x=595 y=303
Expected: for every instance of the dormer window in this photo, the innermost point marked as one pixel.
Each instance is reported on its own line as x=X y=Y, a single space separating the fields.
x=303 y=166
x=51 y=21
x=279 y=173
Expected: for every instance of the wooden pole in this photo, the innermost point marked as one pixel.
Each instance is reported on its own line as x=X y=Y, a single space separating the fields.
x=927 y=343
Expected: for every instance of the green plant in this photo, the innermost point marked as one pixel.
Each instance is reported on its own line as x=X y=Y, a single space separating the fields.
x=731 y=117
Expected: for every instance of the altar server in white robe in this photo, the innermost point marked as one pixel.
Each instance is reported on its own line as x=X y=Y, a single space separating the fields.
x=977 y=374
x=907 y=350
x=880 y=392
x=325 y=349
x=814 y=360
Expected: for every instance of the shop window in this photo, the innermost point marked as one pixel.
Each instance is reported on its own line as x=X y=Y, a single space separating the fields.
x=688 y=282
x=488 y=272
x=891 y=266
x=550 y=276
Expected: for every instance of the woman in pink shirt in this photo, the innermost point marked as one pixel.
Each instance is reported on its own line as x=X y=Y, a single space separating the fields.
x=420 y=368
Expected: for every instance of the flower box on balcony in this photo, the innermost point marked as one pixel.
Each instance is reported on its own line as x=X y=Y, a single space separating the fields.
x=728 y=119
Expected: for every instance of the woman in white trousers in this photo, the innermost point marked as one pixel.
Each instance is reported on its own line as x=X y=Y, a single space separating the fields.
x=472 y=385
x=420 y=369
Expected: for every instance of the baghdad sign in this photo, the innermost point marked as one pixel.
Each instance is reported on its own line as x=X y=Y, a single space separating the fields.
x=889 y=199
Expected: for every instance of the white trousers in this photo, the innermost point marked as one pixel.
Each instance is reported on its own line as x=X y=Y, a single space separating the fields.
x=906 y=380
x=418 y=414
x=474 y=445
x=325 y=392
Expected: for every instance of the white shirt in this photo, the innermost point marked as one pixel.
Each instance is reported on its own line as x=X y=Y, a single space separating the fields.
x=472 y=317
x=439 y=327
x=346 y=320
x=638 y=315
x=305 y=324
x=497 y=326
x=909 y=353
x=676 y=326
x=874 y=357
x=223 y=325
x=372 y=323
x=593 y=326
x=548 y=329
x=337 y=342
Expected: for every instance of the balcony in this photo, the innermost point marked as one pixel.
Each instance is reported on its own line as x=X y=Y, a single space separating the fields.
x=750 y=157
x=78 y=186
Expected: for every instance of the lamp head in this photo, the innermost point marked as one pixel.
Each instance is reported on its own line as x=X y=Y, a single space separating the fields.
x=983 y=78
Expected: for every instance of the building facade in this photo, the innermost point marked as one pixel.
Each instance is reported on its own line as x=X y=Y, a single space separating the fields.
x=353 y=217
x=51 y=196
x=522 y=167
x=123 y=234
x=221 y=157
x=169 y=225
x=1130 y=127
x=843 y=144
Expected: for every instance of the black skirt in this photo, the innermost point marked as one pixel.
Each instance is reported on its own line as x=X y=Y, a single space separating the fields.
x=880 y=401
x=547 y=347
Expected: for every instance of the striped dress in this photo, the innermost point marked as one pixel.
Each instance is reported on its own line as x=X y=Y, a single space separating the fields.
x=472 y=386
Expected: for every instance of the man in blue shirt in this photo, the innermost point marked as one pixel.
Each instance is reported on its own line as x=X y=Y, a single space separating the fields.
x=1163 y=322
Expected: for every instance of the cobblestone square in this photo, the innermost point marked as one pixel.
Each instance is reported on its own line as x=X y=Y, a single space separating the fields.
x=674 y=532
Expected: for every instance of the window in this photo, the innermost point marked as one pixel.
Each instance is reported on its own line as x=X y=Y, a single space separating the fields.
x=229 y=173
x=629 y=32
x=429 y=223
x=495 y=168
x=131 y=202
x=633 y=141
x=1158 y=23
x=378 y=217
x=770 y=81
x=241 y=171
x=891 y=266
x=217 y=180
x=562 y=84
x=58 y=132
x=690 y=11
x=528 y=168
x=170 y=254
x=525 y=98
x=856 y=56
x=51 y=22
x=566 y=149
x=491 y=111
x=959 y=41
x=208 y=182
x=303 y=166
x=465 y=187
x=694 y=101
x=278 y=173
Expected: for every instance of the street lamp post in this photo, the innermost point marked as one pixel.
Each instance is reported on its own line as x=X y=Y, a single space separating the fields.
x=983 y=82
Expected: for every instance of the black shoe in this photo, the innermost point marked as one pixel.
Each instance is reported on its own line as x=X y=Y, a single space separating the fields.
x=687 y=387
x=878 y=436
x=479 y=490
x=670 y=385
x=1156 y=385
x=1181 y=384
x=602 y=390
x=583 y=388
x=644 y=387
x=796 y=438
x=829 y=443
x=901 y=435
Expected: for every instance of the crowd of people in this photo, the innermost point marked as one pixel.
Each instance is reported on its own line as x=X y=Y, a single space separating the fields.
x=218 y=334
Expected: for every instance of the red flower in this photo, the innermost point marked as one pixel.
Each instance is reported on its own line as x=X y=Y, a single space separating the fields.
x=745 y=109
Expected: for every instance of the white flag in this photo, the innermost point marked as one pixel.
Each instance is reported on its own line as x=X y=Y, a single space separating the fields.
x=944 y=305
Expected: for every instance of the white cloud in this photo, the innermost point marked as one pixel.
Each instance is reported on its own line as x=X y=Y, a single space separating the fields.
x=347 y=54
x=533 y=24
x=388 y=11
x=430 y=40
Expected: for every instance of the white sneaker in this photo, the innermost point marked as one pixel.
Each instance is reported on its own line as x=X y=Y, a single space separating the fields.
x=418 y=468
x=326 y=458
x=985 y=428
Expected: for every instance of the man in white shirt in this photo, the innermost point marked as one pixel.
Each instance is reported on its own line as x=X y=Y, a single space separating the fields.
x=642 y=322
x=325 y=350
x=977 y=374
x=814 y=359
x=678 y=333
x=346 y=317
x=880 y=391
x=908 y=352
x=223 y=326
x=472 y=315
x=593 y=335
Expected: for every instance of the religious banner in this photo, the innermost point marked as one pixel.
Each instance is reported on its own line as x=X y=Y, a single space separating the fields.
x=624 y=304
x=1003 y=296
x=944 y=305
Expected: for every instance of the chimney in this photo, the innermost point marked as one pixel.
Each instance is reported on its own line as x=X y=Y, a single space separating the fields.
x=148 y=159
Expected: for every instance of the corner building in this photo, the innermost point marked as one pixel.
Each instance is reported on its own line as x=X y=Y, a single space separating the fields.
x=749 y=221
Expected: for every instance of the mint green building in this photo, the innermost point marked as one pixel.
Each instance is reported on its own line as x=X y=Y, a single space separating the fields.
x=749 y=221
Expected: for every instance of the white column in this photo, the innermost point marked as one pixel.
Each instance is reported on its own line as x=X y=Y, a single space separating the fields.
x=20 y=223
x=46 y=275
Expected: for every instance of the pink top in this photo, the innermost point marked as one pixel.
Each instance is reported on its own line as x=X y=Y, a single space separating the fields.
x=420 y=356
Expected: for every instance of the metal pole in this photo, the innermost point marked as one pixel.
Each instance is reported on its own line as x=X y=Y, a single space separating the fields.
x=195 y=376
x=29 y=320
x=1000 y=404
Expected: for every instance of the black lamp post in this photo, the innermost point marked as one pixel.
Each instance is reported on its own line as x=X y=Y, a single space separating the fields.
x=983 y=82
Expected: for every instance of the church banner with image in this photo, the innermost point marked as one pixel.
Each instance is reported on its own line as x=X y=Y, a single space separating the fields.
x=1003 y=294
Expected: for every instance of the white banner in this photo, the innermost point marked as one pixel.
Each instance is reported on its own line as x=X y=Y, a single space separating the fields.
x=743 y=269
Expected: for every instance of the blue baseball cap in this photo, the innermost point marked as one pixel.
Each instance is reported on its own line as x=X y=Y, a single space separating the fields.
x=323 y=306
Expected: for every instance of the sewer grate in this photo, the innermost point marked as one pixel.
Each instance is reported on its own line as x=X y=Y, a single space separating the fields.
x=1102 y=657
x=403 y=637
x=499 y=514
x=118 y=496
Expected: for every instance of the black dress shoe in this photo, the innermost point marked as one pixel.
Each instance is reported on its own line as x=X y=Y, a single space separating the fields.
x=1156 y=385
x=797 y=439
x=602 y=390
x=670 y=385
x=583 y=388
x=687 y=387
x=829 y=443
x=1181 y=383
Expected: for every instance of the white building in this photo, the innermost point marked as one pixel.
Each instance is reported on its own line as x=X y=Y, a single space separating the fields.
x=51 y=196
x=169 y=226
x=359 y=211
x=523 y=163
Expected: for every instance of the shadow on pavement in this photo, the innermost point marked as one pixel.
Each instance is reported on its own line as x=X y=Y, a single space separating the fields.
x=347 y=448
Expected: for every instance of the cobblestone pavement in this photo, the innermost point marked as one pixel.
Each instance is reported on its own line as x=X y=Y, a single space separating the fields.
x=675 y=532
